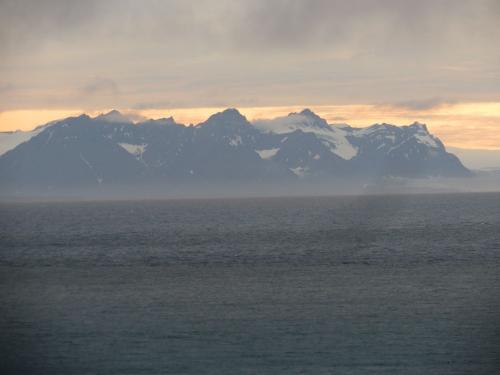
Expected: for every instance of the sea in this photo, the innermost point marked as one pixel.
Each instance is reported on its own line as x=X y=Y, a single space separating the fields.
x=396 y=284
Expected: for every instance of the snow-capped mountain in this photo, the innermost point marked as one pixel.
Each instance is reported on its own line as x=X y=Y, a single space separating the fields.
x=110 y=150
x=333 y=137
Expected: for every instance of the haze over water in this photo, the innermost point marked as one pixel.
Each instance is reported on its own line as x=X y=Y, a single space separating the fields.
x=344 y=285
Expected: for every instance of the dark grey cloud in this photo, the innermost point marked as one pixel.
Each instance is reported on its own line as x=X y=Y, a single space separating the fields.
x=296 y=23
x=27 y=23
x=258 y=23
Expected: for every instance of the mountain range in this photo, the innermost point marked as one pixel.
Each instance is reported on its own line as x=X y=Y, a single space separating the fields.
x=110 y=151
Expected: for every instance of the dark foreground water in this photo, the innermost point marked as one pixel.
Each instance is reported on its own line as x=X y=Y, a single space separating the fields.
x=357 y=285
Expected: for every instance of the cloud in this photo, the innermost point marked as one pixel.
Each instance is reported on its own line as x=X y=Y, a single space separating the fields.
x=424 y=104
x=259 y=24
x=134 y=116
x=153 y=105
x=177 y=53
x=6 y=87
x=337 y=118
x=27 y=23
x=100 y=86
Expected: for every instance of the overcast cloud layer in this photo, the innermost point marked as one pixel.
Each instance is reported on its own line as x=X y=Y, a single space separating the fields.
x=161 y=54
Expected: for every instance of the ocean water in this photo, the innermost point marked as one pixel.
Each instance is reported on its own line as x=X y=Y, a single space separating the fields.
x=339 y=285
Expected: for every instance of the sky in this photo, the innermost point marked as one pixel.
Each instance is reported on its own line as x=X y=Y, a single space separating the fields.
x=356 y=62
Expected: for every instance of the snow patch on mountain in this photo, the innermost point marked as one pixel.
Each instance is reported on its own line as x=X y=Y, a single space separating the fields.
x=299 y=171
x=427 y=140
x=86 y=162
x=135 y=150
x=338 y=143
x=267 y=154
x=235 y=141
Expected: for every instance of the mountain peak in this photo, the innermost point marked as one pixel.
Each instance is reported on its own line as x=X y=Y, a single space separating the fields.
x=419 y=126
x=307 y=118
x=228 y=116
x=231 y=112
x=164 y=121
x=113 y=116
x=169 y=120
x=308 y=112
